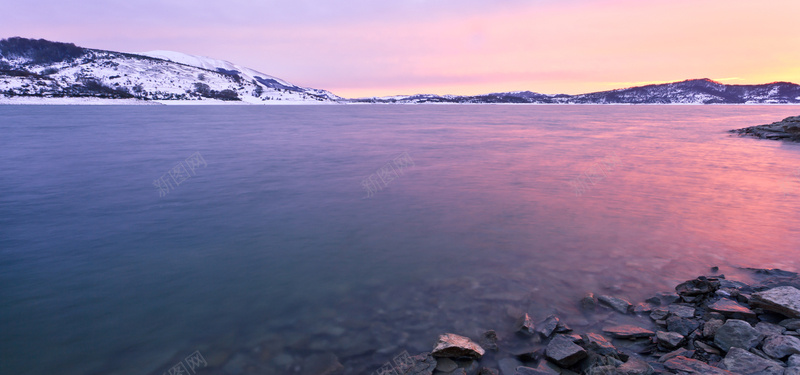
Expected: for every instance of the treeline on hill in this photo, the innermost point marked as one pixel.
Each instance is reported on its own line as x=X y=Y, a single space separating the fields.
x=39 y=51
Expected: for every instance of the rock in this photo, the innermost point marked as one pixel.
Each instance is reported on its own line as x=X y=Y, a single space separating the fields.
x=634 y=366
x=588 y=303
x=454 y=346
x=489 y=340
x=659 y=313
x=791 y=324
x=792 y=371
x=642 y=308
x=628 y=332
x=730 y=307
x=780 y=346
x=618 y=304
x=508 y=366
x=736 y=333
x=706 y=348
x=693 y=366
x=681 y=311
x=741 y=361
x=549 y=326
x=564 y=352
x=787 y=129
x=697 y=288
x=488 y=371
x=794 y=361
x=421 y=364
x=525 y=325
x=681 y=325
x=669 y=340
x=683 y=352
x=710 y=327
x=599 y=344
x=783 y=300
x=321 y=364
x=446 y=365
x=769 y=329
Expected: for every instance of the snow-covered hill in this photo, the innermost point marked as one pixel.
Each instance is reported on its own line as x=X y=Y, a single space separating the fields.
x=696 y=91
x=39 y=68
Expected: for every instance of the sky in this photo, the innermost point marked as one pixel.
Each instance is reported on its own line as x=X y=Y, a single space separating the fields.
x=363 y=48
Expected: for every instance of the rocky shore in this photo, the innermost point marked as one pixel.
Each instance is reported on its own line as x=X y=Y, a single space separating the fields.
x=787 y=129
x=709 y=325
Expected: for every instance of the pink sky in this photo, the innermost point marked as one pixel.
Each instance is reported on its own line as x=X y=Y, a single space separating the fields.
x=373 y=48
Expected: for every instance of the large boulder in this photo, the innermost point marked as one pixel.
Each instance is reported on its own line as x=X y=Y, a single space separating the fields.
x=781 y=346
x=729 y=307
x=741 y=361
x=737 y=333
x=454 y=346
x=783 y=300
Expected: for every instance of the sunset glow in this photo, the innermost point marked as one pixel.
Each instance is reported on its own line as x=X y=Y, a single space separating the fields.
x=362 y=48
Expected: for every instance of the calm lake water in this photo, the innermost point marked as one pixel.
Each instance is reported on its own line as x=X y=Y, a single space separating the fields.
x=270 y=251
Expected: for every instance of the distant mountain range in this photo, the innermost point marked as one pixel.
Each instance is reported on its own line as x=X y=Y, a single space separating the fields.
x=45 y=69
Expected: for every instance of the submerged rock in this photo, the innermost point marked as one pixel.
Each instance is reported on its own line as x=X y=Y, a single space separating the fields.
x=564 y=352
x=454 y=346
x=784 y=300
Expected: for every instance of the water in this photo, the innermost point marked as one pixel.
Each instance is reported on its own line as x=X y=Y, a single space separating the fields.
x=271 y=251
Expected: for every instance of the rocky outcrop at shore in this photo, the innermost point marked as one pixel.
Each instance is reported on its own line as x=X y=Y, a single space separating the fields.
x=787 y=129
x=709 y=326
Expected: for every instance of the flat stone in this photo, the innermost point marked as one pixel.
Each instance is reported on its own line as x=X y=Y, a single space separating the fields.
x=710 y=327
x=681 y=311
x=706 y=348
x=446 y=365
x=781 y=346
x=769 y=329
x=628 y=332
x=683 y=352
x=682 y=325
x=618 y=304
x=564 y=352
x=525 y=325
x=730 y=307
x=669 y=340
x=736 y=333
x=743 y=362
x=599 y=344
x=454 y=346
x=791 y=324
x=693 y=366
x=659 y=313
x=783 y=300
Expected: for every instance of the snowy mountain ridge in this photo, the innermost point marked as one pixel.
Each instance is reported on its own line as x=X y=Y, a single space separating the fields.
x=42 y=69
